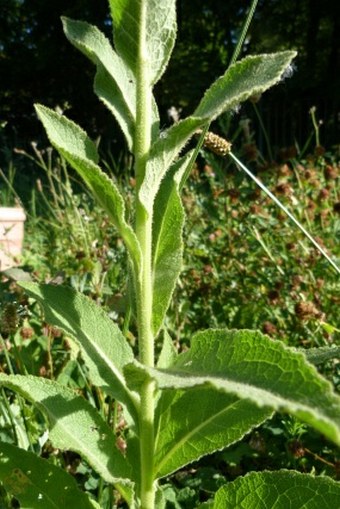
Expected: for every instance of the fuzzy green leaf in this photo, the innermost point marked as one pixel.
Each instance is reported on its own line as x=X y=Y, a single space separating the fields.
x=158 y=20
x=200 y=421
x=114 y=82
x=168 y=353
x=104 y=348
x=80 y=152
x=279 y=490
x=167 y=248
x=38 y=484
x=162 y=155
x=256 y=368
x=74 y=424
x=321 y=354
x=105 y=89
x=250 y=76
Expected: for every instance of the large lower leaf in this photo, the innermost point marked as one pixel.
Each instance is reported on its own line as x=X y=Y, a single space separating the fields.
x=253 y=367
x=74 y=424
x=37 y=483
x=200 y=421
x=279 y=490
x=80 y=152
x=157 y=22
x=104 y=348
x=167 y=243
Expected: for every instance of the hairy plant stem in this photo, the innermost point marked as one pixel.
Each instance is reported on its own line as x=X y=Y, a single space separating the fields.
x=144 y=282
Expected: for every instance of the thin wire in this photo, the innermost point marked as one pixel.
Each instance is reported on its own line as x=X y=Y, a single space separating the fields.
x=285 y=210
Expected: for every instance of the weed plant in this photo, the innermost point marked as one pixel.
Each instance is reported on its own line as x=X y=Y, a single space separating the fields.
x=150 y=410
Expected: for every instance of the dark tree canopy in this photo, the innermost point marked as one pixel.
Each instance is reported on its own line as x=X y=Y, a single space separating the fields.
x=37 y=63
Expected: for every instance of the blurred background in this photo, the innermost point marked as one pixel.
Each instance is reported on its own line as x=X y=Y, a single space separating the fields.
x=38 y=64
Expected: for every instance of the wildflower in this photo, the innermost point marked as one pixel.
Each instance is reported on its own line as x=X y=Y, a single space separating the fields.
x=291 y=246
x=306 y=310
x=26 y=332
x=320 y=282
x=310 y=174
x=324 y=194
x=300 y=168
x=234 y=195
x=284 y=188
x=284 y=170
x=273 y=296
x=331 y=172
x=255 y=209
x=52 y=331
x=255 y=194
x=208 y=170
x=297 y=280
x=324 y=214
x=269 y=328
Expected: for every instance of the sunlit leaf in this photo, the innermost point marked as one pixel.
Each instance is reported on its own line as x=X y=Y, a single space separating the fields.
x=253 y=367
x=168 y=353
x=74 y=424
x=279 y=490
x=196 y=422
x=158 y=20
x=104 y=348
x=167 y=242
x=114 y=82
x=81 y=153
x=252 y=75
x=162 y=155
x=321 y=354
x=38 y=484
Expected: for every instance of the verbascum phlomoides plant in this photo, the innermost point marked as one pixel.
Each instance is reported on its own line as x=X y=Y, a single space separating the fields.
x=179 y=407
